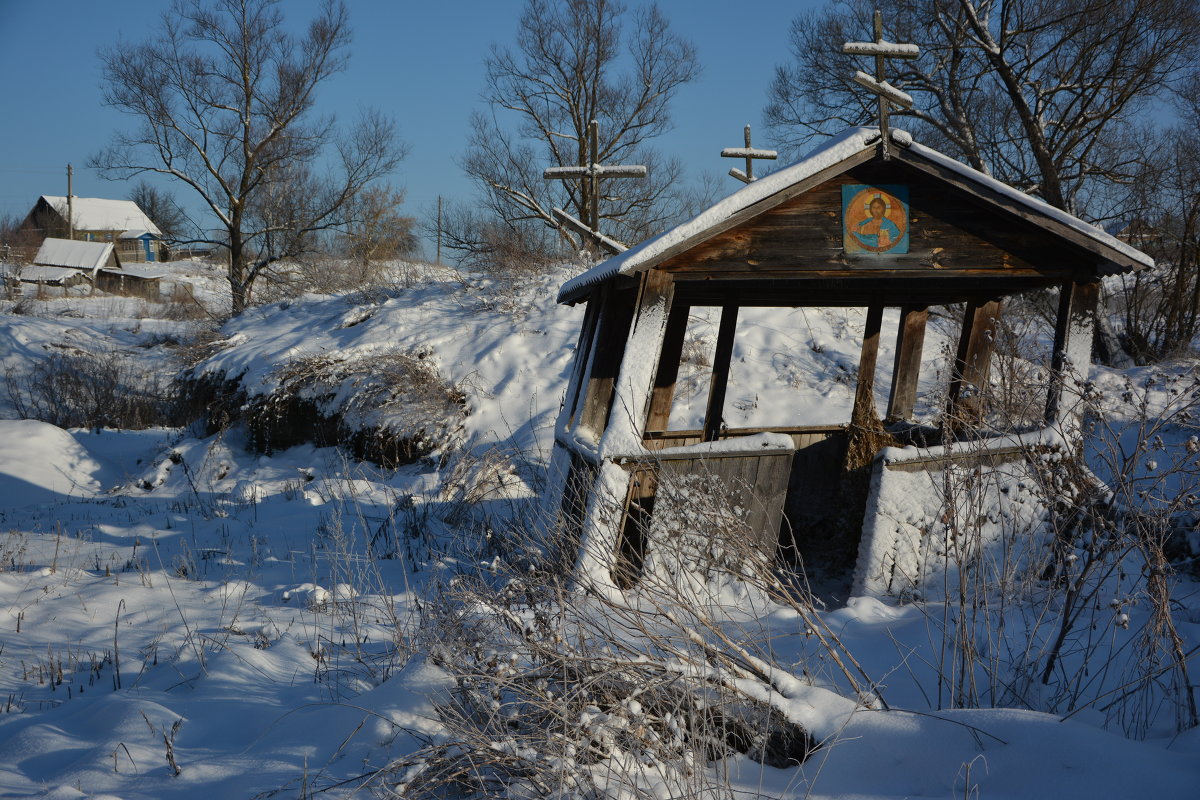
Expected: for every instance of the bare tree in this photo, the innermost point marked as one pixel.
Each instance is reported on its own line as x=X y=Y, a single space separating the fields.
x=1161 y=307
x=1041 y=94
x=568 y=68
x=379 y=232
x=160 y=206
x=224 y=96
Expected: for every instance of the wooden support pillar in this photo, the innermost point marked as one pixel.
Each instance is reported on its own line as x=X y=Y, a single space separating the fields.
x=582 y=361
x=615 y=317
x=635 y=525
x=910 y=338
x=1072 y=355
x=973 y=362
x=720 y=373
x=864 y=391
x=641 y=349
x=663 y=393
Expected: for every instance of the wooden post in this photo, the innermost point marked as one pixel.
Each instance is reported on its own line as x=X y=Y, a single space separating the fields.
x=720 y=373
x=973 y=362
x=1072 y=355
x=881 y=77
x=864 y=391
x=910 y=338
x=616 y=316
x=70 y=206
x=631 y=398
x=583 y=355
x=594 y=178
x=663 y=393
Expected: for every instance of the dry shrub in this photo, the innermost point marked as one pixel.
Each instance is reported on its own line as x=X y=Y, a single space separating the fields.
x=553 y=691
x=566 y=688
x=390 y=407
x=181 y=304
x=100 y=389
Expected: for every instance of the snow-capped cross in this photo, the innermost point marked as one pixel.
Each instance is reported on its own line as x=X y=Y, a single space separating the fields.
x=749 y=153
x=879 y=85
x=593 y=172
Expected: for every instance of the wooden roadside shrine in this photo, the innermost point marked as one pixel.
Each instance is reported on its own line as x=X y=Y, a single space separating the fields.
x=862 y=221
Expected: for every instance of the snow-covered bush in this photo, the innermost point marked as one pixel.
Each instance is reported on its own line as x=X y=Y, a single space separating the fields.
x=387 y=405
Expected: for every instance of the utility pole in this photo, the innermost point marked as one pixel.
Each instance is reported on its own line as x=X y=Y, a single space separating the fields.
x=70 y=207
x=439 y=230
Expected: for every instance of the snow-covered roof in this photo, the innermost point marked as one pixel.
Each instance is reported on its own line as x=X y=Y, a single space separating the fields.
x=1098 y=235
x=144 y=273
x=41 y=274
x=100 y=214
x=137 y=233
x=73 y=254
x=772 y=189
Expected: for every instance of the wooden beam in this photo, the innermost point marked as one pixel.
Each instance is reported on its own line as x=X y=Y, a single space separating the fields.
x=579 y=367
x=972 y=363
x=1072 y=354
x=720 y=373
x=864 y=392
x=631 y=398
x=663 y=393
x=616 y=316
x=910 y=338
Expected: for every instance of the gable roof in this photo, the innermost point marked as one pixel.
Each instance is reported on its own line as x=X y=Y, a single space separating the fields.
x=834 y=156
x=73 y=254
x=100 y=214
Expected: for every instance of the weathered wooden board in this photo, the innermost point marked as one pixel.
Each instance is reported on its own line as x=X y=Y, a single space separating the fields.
x=820 y=289
x=615 y=317
x=950 y=230
x=910 y=338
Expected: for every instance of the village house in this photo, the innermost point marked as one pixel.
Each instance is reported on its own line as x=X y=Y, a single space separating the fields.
x=132 y=233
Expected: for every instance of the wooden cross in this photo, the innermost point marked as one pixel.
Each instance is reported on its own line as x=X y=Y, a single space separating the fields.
x=593 y=172
x=885 y=91
x=749 y=153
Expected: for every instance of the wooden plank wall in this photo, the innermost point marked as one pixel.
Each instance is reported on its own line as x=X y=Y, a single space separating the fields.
x=950 y=232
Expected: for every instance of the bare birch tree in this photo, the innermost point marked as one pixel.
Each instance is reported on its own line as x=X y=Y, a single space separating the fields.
x=223 y=96
x=1043 y=94
x=575 y=61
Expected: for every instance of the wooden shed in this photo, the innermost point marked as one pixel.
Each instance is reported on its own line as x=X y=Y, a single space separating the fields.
x=858 y=222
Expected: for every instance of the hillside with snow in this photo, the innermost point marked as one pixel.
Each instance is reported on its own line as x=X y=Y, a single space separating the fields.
x=212 y=610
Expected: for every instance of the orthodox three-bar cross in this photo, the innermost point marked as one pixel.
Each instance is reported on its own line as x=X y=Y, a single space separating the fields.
x=749 y=153
x=885 y=92
x=592 y=173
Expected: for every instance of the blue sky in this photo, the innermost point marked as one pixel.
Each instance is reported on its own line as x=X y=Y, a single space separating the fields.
x=419 y=62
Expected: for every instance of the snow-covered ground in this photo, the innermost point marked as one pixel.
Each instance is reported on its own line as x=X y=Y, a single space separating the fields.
x=182 y=617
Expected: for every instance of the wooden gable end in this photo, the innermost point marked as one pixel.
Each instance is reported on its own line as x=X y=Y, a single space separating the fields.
x=952 y=232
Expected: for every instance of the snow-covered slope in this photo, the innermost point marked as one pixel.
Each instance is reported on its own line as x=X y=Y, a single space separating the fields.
x=181 y=618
